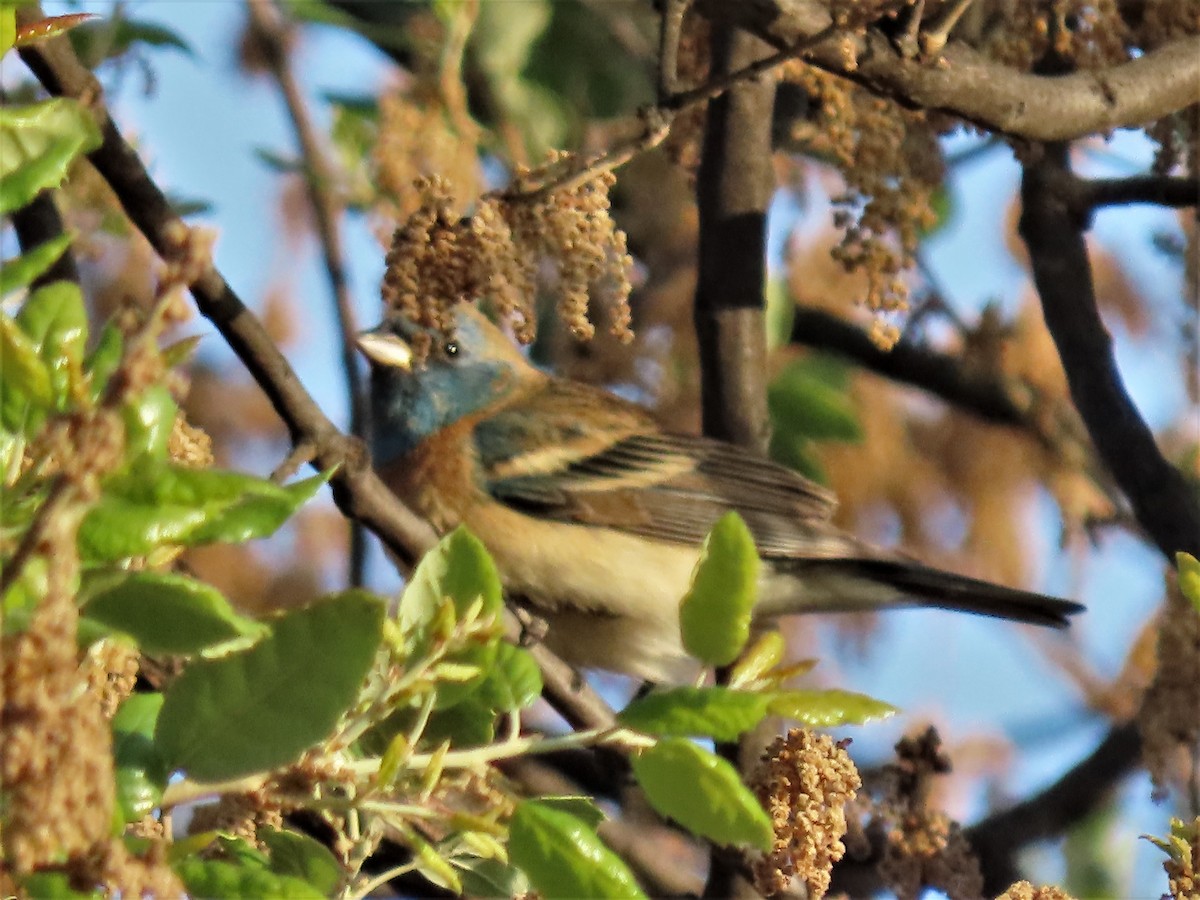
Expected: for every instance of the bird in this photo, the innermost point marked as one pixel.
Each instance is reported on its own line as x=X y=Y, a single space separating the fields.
x=595 y=517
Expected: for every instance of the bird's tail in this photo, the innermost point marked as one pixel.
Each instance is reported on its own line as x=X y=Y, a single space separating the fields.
x=847 y=585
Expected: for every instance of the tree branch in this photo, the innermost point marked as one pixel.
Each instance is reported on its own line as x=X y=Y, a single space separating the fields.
x=734 y=187
x=272 y=33
x=1081 y=791
x=965 y=83
x=1160 y=190
x=1052 y=228
x=36 y=223
x=982 y=394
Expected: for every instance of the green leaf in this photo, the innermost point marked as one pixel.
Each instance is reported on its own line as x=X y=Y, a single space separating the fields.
x=302 y=857
x=22 y=271
x=1189 y=577
x=50 y=26
x=8 y=29
x=167 y=613
x=133 y=735
x=827 y=709
x=471 y=722
x=219 y=880
x=170 y=504
x=53 y=886
x=260 y=708
x=104 y=359
x=564 y=858
x=490 y=878
x=514 y=682
x=714 y=616
x=797 y=452
x=38 y=143
x=809 y=399
x=55 y=319
x=149 y=420
x=715 y=712
x=137 y=796
x=24 y=378
x=702 y=792
x=458 y=568
x=581 y=807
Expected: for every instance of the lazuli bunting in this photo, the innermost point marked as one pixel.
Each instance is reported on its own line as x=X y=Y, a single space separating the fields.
x=595 y=517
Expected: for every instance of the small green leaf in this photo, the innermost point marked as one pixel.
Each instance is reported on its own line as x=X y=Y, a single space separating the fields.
x=714 y=616
x=471 y=722
x=168 y=613
x=38 y=143
x=149 y=420
x=104 y=359
x=23 y=270
x=809 y=399
x=24 y=378
x=302 y=857
x=581 y=807
x=828 y=709
x=137 y=795
x=514 y=682
x=1189 y=577
x=55 y=319
x=564 y=858
x=490 y=878
x=170 y=505
x=219 y=880
x=260 y=708
x=458 y=568
x=702 y=792
x=715 y=712
x=53 y=886
x=133 y=736
x=51 y=26
x=8 y=29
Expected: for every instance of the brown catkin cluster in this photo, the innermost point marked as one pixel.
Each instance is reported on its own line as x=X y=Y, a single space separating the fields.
x=1167 y=720
x=892 y=167
x=110 y=669
x=240 y=815
x=438 y=259
x=804 y=781
x=1023 y=890
x=56 y=772
x=924 y=847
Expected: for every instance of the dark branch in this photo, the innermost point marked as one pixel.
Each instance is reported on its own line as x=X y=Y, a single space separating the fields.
x=734 y=188
x=36 y=223
x=1052 y=228
x=1079 y=793
x=965 y=83
x=272 y=33
x=1157 y=189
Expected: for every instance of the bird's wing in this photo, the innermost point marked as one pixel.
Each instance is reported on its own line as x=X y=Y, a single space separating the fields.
x=577 y=454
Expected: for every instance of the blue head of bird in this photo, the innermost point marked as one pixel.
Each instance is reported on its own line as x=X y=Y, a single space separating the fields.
x=413 y=398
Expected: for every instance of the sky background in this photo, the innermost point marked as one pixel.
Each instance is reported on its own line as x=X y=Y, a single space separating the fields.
x=198 y=130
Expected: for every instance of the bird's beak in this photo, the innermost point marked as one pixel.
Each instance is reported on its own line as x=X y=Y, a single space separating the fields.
x=386 y=349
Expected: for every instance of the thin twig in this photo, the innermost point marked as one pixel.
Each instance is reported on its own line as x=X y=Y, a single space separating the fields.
x=272 y=30
x=60 y=494
x=670 y=28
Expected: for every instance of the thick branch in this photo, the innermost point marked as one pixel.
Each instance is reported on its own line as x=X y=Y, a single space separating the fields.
x=272 y=33
x=1053 y=231
x=36 y=223
x=734 y=189
x=965 y=83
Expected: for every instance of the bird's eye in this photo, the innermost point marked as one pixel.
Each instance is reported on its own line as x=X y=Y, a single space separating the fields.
x=450 y=348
